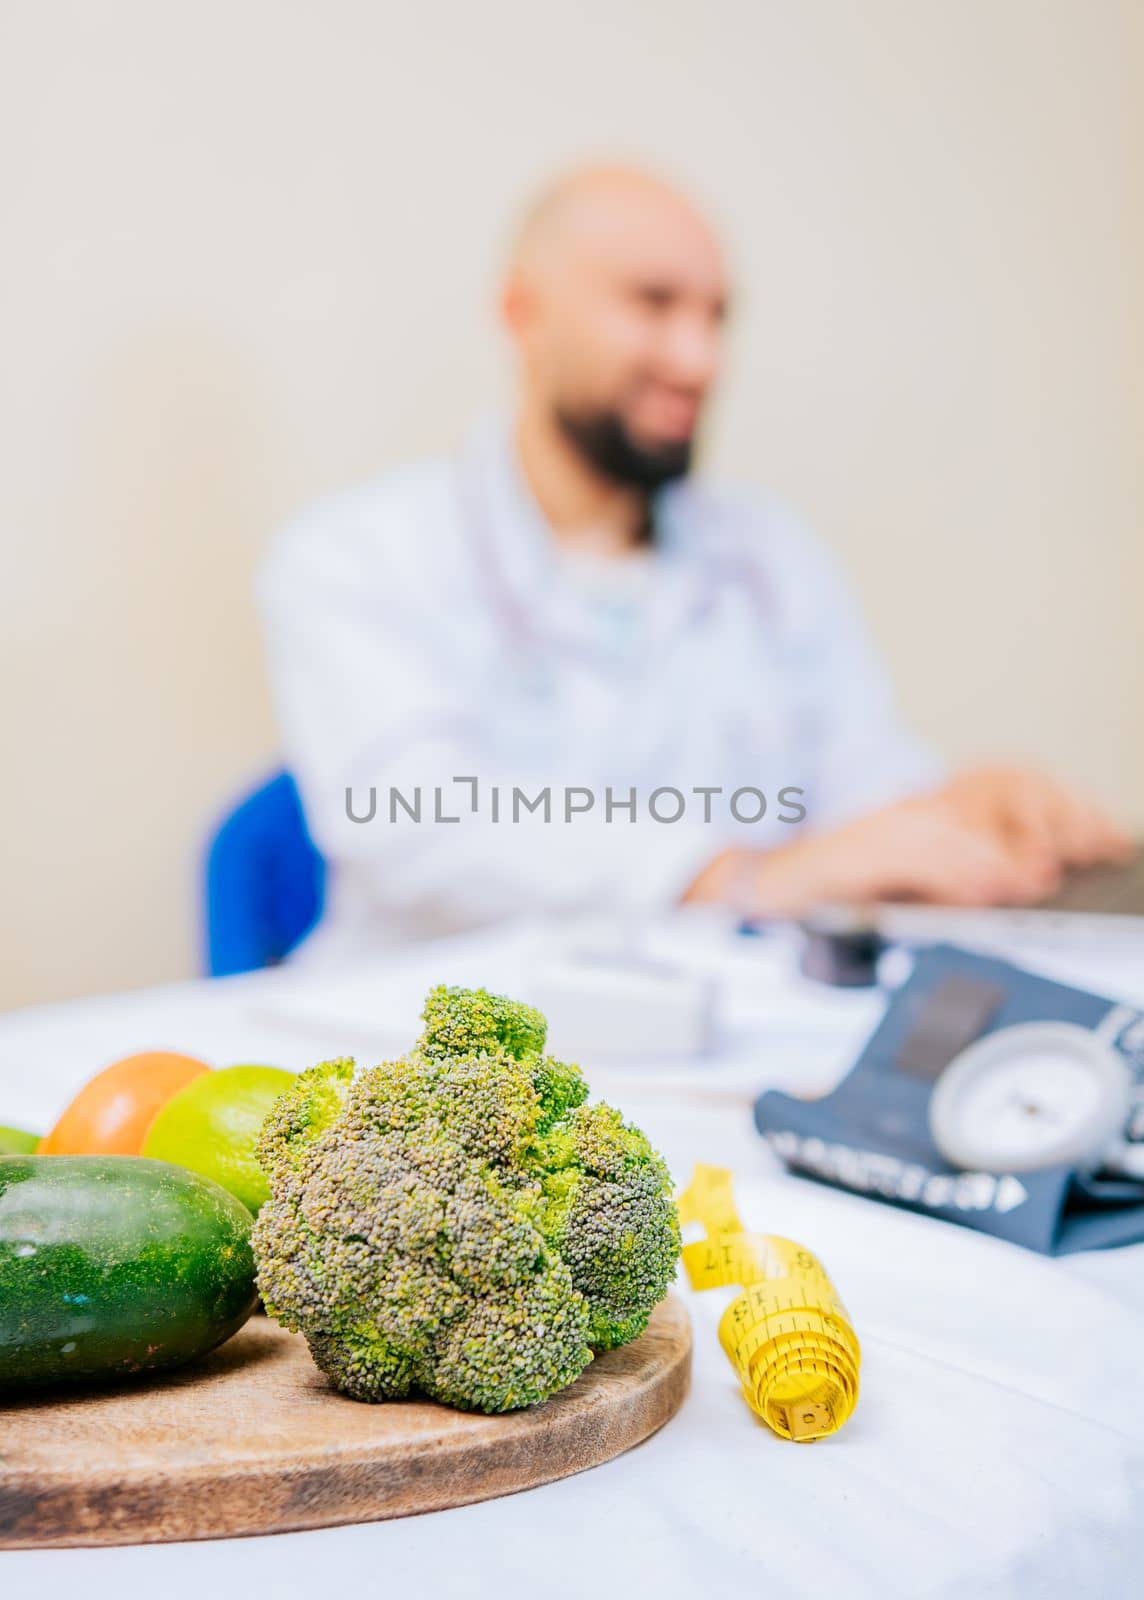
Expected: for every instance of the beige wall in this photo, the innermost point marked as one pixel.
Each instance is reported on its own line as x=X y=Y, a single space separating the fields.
x=248 y=252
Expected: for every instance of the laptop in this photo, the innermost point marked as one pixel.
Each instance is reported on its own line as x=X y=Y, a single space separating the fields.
x=1105 y=902
x=1105 y=890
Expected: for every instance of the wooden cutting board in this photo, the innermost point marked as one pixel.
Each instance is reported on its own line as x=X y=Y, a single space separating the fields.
x=251 y=1439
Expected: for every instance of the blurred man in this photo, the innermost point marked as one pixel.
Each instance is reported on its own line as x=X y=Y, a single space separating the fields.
x=564 y=612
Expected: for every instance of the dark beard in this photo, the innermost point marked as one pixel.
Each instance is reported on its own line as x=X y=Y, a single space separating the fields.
x=604 y=442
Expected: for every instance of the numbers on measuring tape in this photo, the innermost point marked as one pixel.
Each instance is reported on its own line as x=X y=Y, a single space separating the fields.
x=788 y=1335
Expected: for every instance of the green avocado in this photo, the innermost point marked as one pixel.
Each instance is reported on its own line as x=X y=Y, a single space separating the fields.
x=112 y=1266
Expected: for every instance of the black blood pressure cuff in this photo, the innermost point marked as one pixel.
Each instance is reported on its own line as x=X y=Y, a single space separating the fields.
x=871 y=1135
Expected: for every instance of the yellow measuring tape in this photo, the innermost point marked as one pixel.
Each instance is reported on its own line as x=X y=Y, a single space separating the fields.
x=787 y=1335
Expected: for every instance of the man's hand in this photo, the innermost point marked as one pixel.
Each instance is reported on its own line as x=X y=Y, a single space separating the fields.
x=1037 y=816
x=993 y=837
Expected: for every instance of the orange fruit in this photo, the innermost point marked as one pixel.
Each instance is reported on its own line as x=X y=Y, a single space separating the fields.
x=112 y=1112
x=212 y=1127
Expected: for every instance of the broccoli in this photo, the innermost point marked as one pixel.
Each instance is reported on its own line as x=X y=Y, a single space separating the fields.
x=458 y=1222
x=606 y=1209
x=466 y=1022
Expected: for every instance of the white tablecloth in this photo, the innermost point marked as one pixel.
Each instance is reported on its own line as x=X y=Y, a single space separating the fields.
x=998 y=1447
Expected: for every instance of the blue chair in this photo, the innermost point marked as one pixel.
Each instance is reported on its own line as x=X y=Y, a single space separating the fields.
x=265 y=882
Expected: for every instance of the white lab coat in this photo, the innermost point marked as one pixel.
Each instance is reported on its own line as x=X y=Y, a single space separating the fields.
x=424 y=627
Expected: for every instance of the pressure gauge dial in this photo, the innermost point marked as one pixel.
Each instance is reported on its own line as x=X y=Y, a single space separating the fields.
x=1042 y=1094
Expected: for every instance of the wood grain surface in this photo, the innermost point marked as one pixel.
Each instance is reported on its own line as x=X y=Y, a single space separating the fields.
x=251 y=1440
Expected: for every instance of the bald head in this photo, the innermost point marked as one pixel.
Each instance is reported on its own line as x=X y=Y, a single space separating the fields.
x=615 y=295
x=601 y=200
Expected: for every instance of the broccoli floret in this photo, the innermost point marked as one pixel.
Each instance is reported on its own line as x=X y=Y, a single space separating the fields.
x=313 y=1102
x=607 y=1209
x=462 y=1023
x=457 y=1222
x=559 y=1087
x=471 y=1022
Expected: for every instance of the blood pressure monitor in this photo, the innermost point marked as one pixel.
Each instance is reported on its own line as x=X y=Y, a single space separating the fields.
x=991 y=1096
x=1039 y=1094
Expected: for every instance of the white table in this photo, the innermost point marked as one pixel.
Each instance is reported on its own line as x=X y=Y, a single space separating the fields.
x=998 y=1447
